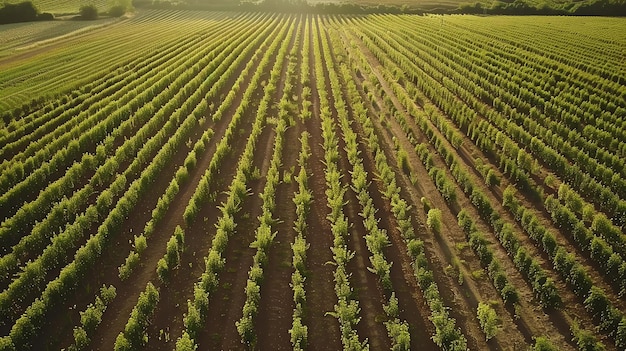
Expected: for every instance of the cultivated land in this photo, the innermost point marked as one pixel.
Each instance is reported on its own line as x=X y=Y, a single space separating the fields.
x=277 y=181
x=61 y=7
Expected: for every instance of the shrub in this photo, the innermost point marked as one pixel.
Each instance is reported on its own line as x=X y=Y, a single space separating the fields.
x=299 y=334
x=140 y=243
x=80 y=338
x=45 y=17
x=492 y=178
x=162 y=270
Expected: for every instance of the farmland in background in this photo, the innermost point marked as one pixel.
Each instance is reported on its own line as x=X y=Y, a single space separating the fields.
x=63 y=7
x=283 y=181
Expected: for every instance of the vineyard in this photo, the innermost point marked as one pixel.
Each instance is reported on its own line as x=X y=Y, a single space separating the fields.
x=318 y=182
x=62 y=7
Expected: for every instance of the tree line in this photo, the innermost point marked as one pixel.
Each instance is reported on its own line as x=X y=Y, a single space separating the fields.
x=522 y=7
x=22 y=12
x=516 y=7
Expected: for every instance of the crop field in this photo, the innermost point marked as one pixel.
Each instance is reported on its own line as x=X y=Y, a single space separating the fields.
x=19 y=37
x=63 y=7
x=221 y=180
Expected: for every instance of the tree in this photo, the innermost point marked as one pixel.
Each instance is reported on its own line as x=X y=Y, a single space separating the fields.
x=119 y=7
x=21 y=12
x=488 y=319
x=117 y=11
x=88 y=12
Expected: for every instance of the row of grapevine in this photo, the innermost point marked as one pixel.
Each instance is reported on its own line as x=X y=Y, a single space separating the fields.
x=203 y=192
x=234 y=59
x=214 y=261
x=134 y=334
x=70 y=275
x=264 y=234
x=518 y=257
x=91 y=318
x=447 y=335
x=347 y=308
x=180 y=178
x=376 y=238
x=302 y=199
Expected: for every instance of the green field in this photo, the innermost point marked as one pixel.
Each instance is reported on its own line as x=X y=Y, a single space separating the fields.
x=18 y=37
x=254 y=180
x=61 y=7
